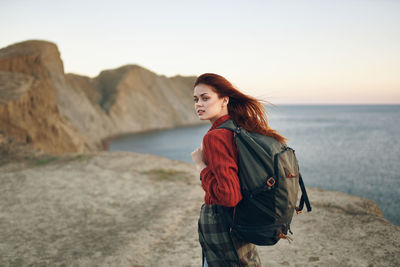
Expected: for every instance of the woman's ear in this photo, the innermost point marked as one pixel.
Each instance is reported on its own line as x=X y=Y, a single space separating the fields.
x=226 y=100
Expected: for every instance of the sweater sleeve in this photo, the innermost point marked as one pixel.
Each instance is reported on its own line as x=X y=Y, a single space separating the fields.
x=220 y=178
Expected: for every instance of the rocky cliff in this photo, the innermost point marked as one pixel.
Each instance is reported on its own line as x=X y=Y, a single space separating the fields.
x=29 y=75
x=57 y=112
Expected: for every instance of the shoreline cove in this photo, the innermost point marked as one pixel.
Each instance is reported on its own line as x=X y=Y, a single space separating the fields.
x=105 y=142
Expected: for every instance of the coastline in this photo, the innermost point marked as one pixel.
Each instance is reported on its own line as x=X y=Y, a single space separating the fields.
x=105 y=141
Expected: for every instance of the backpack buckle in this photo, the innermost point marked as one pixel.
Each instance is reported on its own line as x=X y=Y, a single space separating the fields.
x=237 y=130
x=298 y=210
x=283 y=236
x=271 y=181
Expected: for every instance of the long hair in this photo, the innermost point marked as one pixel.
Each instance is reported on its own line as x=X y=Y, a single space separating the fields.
x=246 y=111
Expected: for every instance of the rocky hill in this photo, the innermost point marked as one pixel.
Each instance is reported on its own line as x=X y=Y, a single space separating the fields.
x=56 y=112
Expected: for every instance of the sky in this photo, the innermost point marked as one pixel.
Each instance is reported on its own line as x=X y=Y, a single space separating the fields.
x=286 y=52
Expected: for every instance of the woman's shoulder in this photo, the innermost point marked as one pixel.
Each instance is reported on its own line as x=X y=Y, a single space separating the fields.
x=218 y=133
x=218 y=137
x=220 y=140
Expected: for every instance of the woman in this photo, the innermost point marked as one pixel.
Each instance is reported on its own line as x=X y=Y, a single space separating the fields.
x=217 y=100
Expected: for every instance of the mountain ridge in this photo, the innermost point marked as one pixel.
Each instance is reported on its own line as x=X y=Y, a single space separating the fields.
x=76 y=112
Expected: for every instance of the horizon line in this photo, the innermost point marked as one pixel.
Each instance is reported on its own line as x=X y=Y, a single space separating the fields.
x=333 y=104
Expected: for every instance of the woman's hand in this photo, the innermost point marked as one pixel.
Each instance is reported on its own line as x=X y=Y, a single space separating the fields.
x=198 y=159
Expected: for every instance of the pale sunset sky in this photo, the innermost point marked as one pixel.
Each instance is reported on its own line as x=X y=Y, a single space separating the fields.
x=287 y=52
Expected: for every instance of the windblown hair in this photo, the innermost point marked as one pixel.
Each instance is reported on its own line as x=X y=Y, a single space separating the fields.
x=246 y=111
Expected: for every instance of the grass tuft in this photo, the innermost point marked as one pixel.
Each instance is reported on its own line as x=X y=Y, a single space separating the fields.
x=44 y=160
x=168 y=175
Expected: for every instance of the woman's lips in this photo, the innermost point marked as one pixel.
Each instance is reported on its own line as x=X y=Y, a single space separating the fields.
x=200 y=112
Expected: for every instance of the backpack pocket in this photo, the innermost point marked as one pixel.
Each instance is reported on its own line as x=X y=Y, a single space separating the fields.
x=255 y=211
x=260 y=235
x=287 y=184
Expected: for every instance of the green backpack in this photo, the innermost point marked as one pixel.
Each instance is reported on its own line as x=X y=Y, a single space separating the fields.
x=269 y=179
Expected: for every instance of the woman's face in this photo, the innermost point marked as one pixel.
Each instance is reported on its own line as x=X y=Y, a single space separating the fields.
x=207 y=104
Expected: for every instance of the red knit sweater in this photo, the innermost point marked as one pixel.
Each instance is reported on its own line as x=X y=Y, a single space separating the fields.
x=220 y=178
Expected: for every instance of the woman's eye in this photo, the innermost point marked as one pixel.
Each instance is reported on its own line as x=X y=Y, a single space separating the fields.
x=195 y=100
x=205 y=98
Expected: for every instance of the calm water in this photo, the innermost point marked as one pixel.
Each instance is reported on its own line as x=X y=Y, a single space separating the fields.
x=353 y=149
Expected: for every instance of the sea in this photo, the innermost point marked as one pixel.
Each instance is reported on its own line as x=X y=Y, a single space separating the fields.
x=349 y=148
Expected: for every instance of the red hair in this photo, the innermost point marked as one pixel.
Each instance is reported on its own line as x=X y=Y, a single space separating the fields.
x=246 y=111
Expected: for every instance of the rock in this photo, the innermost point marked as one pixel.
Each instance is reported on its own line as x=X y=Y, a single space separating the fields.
x=129 y=209
x=28 y=111
x=59 y=113
x=13 y=86
x=126 y=100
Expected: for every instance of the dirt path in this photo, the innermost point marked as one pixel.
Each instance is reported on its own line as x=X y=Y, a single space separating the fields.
x=126 y=209
x=116 y=209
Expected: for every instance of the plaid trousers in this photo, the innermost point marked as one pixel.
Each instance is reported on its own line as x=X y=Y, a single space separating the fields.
x=221 y=247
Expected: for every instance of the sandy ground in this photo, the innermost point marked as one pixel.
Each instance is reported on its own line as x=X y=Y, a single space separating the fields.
x=127 y=209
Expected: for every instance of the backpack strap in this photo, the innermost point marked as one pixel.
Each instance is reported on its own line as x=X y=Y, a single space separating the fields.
x=304 y=197
x=229 y=125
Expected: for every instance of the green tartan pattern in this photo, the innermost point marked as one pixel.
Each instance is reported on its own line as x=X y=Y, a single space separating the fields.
x=219 y=246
